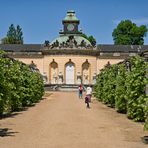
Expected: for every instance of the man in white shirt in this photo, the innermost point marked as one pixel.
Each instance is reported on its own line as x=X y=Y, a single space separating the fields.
x=88 y=96
x=88 y=90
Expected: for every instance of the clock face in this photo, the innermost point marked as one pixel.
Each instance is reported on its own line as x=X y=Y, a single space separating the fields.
x=70 y=27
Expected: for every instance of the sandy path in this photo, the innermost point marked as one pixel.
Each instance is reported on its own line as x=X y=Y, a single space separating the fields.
x=62 y=121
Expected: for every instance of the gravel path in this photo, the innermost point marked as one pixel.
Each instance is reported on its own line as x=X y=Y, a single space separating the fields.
x=63 y=121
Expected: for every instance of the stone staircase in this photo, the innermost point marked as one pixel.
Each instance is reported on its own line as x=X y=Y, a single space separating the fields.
x=62 y=87
x=68 y=87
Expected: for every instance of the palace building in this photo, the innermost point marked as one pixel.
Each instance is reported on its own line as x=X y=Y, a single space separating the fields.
x=70 y=58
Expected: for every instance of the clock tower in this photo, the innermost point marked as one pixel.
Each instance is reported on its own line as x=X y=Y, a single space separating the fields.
x=70 y=24
x=70 y=36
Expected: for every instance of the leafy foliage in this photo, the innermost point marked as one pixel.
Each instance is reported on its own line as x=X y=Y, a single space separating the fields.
x=91 y=39
x=120 y=92
x=98 y=88
x=105 y=86
x=125 y=89
x=146 y=104
x=146 y=115
x=19 y=85
x=128 y=33
x=135 y=93
x=14 y=36
x=109 y=87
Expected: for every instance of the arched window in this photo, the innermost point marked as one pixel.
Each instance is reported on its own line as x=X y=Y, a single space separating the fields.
x=53 y=71
x=86 y=72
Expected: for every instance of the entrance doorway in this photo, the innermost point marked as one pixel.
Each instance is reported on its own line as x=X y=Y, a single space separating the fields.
x=69 y=73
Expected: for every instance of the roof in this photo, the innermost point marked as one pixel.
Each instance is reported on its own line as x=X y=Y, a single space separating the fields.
x=121 y=48
x=71 y=16
x=101 y=47
x=21 y=47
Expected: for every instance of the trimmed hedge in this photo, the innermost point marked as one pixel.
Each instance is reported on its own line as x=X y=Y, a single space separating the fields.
x=124 y=89
x=135 y=94
x=19 y=85
x=120 y=90
x=146 y=106
x=105 y=87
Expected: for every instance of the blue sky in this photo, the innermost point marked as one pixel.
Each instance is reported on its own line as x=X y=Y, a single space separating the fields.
x=41 y=20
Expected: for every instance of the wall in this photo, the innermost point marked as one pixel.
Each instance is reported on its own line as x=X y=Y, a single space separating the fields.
x=96 y=63
x=38 y=61
x=78 y=60
x=102 y=62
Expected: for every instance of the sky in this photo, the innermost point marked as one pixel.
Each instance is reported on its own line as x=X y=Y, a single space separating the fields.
x=41 y=20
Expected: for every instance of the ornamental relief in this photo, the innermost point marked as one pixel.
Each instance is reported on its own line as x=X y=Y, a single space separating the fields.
x=69 y=43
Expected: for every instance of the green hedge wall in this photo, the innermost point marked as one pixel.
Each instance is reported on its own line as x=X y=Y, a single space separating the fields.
x=124 y=88
x=135 y=94
x=120 y=90
x=19 y=85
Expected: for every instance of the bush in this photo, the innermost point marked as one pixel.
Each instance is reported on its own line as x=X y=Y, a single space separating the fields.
x=109 y=86
x=19 y=85
x=146 y=104
x=120 y=92
x=98 y=88
x=135 y=93
x=125 y=88
x=105 y=86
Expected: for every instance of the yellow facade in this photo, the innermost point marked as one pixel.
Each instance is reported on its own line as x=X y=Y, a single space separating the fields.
x=53 y=67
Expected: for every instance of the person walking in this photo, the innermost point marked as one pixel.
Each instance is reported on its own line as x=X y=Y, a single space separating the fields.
x=80 y=91
x=88 y=96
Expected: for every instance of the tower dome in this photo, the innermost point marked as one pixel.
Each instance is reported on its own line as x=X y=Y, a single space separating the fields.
x=70 y=37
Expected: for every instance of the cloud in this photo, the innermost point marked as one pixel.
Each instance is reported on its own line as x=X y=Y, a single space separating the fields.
x=140 y=21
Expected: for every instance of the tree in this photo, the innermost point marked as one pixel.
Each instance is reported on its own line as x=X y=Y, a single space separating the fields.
x=14 y=36
x=128 y=33
x=19 y=35
x=91 y=39
x=46 y=43
x=10 y=38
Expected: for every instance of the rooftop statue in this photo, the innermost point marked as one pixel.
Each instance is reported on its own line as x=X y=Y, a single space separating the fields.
x=71 y=42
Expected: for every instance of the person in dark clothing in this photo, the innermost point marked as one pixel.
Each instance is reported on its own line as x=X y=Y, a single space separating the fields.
x=87 y=101
x=80 y=91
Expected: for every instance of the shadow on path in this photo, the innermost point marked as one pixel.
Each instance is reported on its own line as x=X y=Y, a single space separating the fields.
x=6 y=132
x=11 y=115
